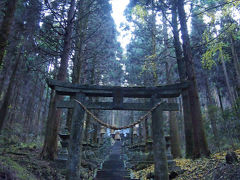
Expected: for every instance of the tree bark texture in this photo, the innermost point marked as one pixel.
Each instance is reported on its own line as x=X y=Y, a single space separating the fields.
x=211 y=112
x=236 y=64
x=6 y=99
x=185 y=94
x=6 y=26
x=174 y=132
x=200 y=142
x=230 y=93
x=81 y=24
x=50 y=143
x=38 y=122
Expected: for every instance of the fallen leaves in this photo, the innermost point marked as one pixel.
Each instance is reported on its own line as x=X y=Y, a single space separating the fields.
x=202 y=168
x=143 y=173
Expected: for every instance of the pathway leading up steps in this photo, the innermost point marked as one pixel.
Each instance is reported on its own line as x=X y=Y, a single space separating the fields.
x=113 y=168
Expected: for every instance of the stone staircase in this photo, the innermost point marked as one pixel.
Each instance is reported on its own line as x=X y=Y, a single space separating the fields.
x=113 y=168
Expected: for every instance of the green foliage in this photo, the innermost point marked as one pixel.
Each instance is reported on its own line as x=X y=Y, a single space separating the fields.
x=19 y=171
x=214 y=49
x=140 y=12
x=212 y=109
x=228 y=126
x=10 y=106
x=221 y=25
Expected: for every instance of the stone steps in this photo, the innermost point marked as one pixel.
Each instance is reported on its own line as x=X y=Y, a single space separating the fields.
x=110 y=173
x=113 y=168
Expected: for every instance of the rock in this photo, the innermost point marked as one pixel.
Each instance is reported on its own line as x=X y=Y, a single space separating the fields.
x=140 y=166
x=231 y=157
x=150 y=175
x=173 y=175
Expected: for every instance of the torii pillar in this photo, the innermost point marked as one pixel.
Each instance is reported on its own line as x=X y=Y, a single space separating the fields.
x=159 y=144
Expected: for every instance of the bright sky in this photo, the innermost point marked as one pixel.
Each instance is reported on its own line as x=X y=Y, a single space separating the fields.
x=118 y=7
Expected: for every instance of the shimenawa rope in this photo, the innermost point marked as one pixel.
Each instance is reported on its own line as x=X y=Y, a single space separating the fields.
x=114 y=127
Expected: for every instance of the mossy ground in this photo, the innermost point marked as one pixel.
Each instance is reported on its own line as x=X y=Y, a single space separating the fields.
x=11 y=169
x=213 y=168
x=21 y=161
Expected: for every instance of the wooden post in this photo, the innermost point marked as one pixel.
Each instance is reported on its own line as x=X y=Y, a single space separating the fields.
x=75 y=143
x=159 y=145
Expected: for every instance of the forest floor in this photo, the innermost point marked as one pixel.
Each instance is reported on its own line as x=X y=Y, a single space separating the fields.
x=213 y=168
x=21 y=161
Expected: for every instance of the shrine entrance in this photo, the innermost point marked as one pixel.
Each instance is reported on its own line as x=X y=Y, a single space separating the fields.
x=80 y=105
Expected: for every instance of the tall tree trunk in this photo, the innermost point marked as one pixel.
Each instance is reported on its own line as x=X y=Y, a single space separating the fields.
x=174 y=132
x=14 y=113
x=154 y=45
x=211 y=112
x=6 y=100
x=88 y=119
x=182 y=74
x=30 y=109
x=50 y=143
x=47 y=101
x=200 y=141
x=81 y=24
x=5 y=75
x=220 y=100
x=231 y=95
x=236 y=64
x=6 y=26
x=40 y=110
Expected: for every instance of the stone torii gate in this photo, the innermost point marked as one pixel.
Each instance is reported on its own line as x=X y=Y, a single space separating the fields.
x=80 y=92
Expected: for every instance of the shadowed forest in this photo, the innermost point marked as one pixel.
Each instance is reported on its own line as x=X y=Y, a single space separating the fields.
x=76 y=103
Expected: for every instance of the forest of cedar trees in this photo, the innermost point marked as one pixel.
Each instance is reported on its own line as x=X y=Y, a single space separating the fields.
x=77 y=41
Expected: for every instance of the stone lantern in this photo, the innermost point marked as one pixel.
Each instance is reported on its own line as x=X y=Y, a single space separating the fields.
x=102 y=132
x=134 y=131
x=117 y=136
x=135 y=135
x=112 y=133
x=63 y=153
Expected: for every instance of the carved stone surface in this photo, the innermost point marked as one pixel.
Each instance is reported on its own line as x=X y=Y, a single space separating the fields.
x=63 y=153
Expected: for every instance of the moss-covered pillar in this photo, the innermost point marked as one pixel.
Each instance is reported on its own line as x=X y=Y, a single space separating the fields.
x=159 y=144
x=75 y=143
